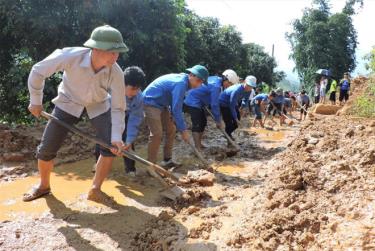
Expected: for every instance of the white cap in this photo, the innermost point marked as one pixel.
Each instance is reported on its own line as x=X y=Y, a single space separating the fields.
x=251 y=81
x=231 y=76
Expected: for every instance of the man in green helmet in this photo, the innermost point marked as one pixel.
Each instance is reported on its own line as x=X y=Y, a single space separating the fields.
x=90 y=78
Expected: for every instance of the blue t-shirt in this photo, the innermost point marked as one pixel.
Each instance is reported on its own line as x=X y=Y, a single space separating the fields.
x=261 y=97
x=305 y=99
x=279 y=99
x=168 y=91
x=345 y=85
x=206 y=95
x=231 y=96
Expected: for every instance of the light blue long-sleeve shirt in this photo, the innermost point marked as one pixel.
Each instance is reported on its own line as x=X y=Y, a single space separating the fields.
x=168 y=92
x=231 y=96
x=207 y=95
x=134 y=109
x=81 y=88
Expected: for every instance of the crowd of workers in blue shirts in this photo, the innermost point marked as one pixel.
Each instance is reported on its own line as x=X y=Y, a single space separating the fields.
x=164 y=101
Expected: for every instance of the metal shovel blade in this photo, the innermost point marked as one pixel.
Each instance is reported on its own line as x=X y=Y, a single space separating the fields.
x=172 y=193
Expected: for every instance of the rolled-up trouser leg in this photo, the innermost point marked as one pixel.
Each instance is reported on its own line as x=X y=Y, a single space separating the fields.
x=54 y=135
x=170 y=133
x=103 y=127
x=153 y=121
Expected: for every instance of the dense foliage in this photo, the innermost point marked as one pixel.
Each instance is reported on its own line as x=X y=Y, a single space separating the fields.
x=163 y=36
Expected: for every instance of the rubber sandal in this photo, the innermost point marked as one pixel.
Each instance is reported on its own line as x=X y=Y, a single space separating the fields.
x=35 y=193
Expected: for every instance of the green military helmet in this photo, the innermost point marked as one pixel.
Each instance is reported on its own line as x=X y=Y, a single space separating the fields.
x=106 y=38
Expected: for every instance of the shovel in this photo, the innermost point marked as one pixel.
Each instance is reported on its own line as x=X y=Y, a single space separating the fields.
x=171 y=192
x=198 y=154
x=234 y=144
x=291 y=122
x=303 y=108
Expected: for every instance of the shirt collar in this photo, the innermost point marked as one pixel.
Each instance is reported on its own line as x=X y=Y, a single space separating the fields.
x=86 y=62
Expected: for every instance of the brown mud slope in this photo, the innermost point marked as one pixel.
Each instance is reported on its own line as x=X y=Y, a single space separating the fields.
x=358 y=86
x=319 y=193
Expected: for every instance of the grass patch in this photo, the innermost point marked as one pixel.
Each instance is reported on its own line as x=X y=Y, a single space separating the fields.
x=364 y=105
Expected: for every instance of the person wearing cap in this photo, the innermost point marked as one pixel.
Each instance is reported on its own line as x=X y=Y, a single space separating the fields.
x=207 y=96
x=90 y=77
x=260 y=102
x=229 y=100
x=247 y=100
x=163 y=99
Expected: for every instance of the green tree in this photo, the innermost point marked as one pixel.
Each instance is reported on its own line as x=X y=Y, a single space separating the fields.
x=211 y=44
x=321 y=39
x=163 y=36
x=370 y=57
x=154 y=31
x=261 y=64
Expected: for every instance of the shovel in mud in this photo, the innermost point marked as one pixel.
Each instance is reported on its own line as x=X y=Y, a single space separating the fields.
x=229 y=152
x=170 y=191
x=198 y=154
x=309 y=114
x=291 y=122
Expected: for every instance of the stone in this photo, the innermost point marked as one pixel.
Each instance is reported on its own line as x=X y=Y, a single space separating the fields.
x=14 y=157
x=202 y=177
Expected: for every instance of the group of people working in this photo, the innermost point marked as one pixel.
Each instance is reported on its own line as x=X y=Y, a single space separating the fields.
x=277 y=103
x=94 y=84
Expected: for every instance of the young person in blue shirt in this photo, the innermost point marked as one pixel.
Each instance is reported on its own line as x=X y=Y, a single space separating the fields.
x=260 y=102
x=229 y=101
x=207 y=96
x=163 y=100
x=344 y=89
x=287 y=103
x=305 y=103
x=134 y=80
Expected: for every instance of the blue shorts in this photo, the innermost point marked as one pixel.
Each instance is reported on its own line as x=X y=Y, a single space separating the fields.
x=258 y=114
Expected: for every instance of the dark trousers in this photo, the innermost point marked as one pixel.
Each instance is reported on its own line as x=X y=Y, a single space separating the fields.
x=55 y=134
x=317 y=99
x=129 y=163
x=230 y=122
x=198 y=118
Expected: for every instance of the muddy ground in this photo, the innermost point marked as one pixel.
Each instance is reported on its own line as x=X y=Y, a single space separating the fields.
x=303 y=187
